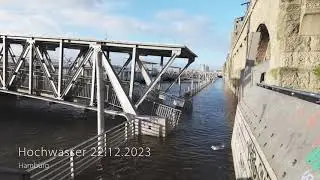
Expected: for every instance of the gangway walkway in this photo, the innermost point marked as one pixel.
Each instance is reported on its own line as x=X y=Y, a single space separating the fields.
x=88 y=80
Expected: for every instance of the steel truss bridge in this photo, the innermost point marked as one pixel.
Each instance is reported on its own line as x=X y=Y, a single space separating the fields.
x=41 y=68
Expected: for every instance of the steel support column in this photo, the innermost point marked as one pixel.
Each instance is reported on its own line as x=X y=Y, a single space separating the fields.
x=60 y=71
x=1 y=80
x=31 y=55
x=179 y=81
x=133 y=70
x=100 y=98
x=178 y=77
x=125 y=64
x=126 y=104
x=144 y=72
x=93 y=82
x=153 y=84
x=161 y=66
x=4 y=61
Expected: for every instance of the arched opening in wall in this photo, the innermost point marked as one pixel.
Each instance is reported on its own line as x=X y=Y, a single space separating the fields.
x=262 y=77
x=263 y=51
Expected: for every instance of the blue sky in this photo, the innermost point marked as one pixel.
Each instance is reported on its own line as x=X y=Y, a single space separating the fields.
x=204 y=26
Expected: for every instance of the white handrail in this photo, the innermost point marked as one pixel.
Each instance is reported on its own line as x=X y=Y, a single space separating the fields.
x=67 y=165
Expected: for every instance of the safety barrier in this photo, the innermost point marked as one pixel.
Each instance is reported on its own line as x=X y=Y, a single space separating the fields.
x=171 y=100
x=197 y=87
x=307 y=96
x=172 y=115
x=73 y=161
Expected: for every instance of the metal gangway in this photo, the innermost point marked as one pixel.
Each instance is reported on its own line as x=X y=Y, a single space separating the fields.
x=80 y=73
x=195 y=88
x=198 y=80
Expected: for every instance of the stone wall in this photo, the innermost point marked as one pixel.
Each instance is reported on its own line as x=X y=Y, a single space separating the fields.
x=294 y=46
x=274 y=134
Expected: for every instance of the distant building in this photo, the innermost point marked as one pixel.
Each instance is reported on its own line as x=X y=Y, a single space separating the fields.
x=204 y=68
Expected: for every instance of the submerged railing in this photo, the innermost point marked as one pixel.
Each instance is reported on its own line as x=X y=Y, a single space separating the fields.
x=196 y=88
x=171 y=114
x=171 y=100
x=73 y=161
x=307 y=96
x=165 y=111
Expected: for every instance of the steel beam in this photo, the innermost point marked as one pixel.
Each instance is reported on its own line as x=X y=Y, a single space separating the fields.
x=1 y=53
x=179 y=82
x=178 y=77
x=151 y=86
x=48 y=59
x=12 y=55
x=60 y=71
x=25 y=51
x=124 y=100
x=79 y=57
x=1 y=80
x=93 y=81
x=100 y=98
x=31 y=50
x=125 y=64
x=161 y=66
x=4 y=61
x=77 y=73
x=133 y=69
x=46 y=70
x=144 y=72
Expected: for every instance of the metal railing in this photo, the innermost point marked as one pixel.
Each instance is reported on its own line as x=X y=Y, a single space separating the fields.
x=140 y=89
x=171 y=114
x=197 y=87
x=73 y=161
x=114 y=101
x=171 y=100
x=307 y=96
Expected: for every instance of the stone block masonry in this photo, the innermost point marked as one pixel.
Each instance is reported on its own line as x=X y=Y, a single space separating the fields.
x=288 y=37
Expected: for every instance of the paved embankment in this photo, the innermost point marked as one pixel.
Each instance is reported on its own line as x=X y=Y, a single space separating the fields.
x=276 y=133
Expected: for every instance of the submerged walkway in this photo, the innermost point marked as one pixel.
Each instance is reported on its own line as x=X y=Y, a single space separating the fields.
x=186 y=153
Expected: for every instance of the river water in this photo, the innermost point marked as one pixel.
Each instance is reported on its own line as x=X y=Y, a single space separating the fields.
x=185 y=154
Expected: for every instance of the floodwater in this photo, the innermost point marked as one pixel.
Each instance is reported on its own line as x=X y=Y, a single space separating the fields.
x=185 y=154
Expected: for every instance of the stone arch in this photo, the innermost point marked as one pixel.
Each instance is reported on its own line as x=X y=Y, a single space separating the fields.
x=263 y=51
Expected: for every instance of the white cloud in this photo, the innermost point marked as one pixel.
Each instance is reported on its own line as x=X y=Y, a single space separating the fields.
x=97 y=17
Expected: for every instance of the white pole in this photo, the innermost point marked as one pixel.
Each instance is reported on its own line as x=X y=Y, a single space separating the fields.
x=100 y=98
x=133 y=68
